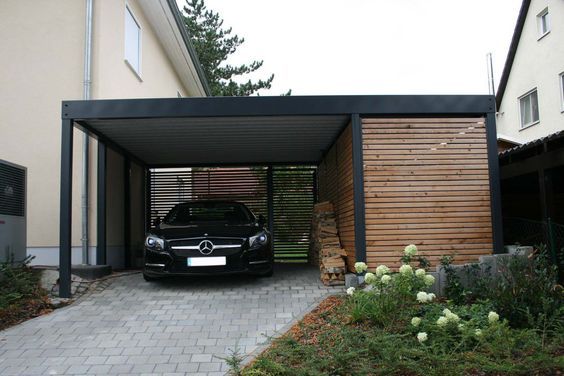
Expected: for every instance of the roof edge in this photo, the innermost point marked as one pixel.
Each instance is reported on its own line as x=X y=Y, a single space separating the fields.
x=193 y=55
x=512 y=51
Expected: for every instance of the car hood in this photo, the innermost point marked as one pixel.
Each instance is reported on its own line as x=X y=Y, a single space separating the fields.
x=223 y=230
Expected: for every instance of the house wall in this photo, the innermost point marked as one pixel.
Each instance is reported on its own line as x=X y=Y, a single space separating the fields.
x=42 y=45
x=426 y=182
x=335 y=184
x=537 y=64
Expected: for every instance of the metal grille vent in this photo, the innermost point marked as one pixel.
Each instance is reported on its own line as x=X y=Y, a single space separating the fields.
x=12 y=190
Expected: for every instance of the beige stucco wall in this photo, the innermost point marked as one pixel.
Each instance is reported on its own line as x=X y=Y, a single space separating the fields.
x=112 y=77
x=42 y=47
x=538 y=62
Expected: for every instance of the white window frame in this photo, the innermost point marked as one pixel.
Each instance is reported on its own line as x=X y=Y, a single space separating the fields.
x=546 y=15
x=534 y=122
x=561 y=81
x=131 y=65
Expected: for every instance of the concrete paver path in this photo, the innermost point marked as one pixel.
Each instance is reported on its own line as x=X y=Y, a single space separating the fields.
x=171 y=327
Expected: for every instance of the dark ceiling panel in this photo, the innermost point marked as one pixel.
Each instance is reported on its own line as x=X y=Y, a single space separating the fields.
x=235 y=140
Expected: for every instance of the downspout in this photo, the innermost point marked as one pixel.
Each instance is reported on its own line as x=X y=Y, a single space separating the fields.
x=86 y=139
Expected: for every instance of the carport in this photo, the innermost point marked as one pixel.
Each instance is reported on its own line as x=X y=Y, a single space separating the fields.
x=325 y=132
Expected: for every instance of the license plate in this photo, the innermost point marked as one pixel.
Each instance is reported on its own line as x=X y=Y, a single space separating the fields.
x=206 y=261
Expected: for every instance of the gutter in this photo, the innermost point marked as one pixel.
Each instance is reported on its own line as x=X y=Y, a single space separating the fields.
x=178 y=18
x=87 y=88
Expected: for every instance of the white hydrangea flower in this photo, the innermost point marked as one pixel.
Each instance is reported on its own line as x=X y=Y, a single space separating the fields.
x=442 y=321
x=410 y=250
x=431 y=296
x=493 y=317
x=446 y=311
x=350 y=290
x=422 y=297
x=381 y=270
x=422 y=337
x=370 y=278
x=478 y=332
x=420 y=272
x=386 y=279
x=416 y=321
x=452 y=317
x=360 y=267
x=429 y=280
x=406 y=269
x=460 y=326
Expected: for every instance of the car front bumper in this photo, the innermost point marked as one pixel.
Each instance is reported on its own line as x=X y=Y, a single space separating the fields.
x=166 y=263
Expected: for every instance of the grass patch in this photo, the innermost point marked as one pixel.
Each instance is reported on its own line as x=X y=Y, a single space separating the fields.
x=21 y=296
x=328 y=342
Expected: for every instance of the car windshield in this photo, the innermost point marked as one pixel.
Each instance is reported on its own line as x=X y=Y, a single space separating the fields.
x=190 y=213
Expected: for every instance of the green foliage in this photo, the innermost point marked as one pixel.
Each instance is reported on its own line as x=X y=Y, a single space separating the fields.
x=214 y=44
x=527 y=293
x=17 y=282
x=453 y=288
x=234 y=361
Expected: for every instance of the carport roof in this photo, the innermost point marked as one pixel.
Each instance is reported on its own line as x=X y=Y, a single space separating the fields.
x=245 y=130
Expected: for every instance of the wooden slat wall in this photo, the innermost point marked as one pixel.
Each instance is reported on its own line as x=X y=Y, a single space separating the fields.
x=426 y=183
x=335 y=184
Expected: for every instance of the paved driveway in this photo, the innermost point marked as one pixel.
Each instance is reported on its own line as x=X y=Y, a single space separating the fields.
x=169 y=327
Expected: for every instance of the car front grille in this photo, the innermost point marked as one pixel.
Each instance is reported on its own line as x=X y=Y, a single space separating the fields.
x=221 y=246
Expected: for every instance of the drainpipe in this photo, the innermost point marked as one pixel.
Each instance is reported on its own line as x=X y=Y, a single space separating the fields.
x=86 y=139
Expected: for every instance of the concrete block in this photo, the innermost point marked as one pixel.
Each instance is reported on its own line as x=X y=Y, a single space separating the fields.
x=351 y=280
x=91 y=272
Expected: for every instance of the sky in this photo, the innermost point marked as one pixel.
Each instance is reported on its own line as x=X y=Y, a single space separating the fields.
x=324 y=47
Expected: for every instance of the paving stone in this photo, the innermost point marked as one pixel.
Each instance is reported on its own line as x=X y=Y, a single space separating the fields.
x=170 y=327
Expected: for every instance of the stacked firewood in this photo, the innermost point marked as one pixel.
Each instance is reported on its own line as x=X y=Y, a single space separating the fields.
x=325 y=245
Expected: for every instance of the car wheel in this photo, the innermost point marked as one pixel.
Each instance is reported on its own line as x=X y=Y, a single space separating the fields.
x=268 y=273
x=148 y=278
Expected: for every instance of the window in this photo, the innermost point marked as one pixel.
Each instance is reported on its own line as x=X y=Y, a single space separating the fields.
x=529 y=109
x=543 y=21
x=132 y=42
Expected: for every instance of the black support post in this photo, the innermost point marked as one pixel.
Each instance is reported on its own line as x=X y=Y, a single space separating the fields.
x=65 y=225
x=358 y=189
x=495 y=185
x=148 y=223
x=127 y=211
x=270 y=198
x=101 y=208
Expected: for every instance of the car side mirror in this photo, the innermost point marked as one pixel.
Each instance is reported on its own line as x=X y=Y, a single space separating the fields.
x=157 y=222
x=261 y=220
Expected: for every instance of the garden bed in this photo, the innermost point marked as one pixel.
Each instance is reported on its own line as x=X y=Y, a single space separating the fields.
x=397 y=328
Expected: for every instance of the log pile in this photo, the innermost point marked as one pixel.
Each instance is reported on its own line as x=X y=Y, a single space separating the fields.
x=325 y=245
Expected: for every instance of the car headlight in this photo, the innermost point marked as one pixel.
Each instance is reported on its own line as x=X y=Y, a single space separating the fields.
x=154 y=242
x=258 y=240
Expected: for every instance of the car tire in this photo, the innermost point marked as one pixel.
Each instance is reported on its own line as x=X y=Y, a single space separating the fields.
x=268 y=273
x=149 y=278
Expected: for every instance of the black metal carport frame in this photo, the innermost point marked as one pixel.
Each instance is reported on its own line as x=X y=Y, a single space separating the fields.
x=79 y=113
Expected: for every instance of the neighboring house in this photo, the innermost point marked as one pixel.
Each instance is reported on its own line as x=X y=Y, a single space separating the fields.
x=530 y=99
x=139 y=49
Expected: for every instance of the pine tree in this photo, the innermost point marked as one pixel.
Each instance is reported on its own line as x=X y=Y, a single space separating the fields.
x=214 y=44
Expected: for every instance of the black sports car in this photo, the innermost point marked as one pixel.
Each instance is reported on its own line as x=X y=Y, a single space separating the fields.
x=208 y=237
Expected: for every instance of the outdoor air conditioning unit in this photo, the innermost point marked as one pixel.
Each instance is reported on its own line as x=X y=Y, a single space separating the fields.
x=12 y=212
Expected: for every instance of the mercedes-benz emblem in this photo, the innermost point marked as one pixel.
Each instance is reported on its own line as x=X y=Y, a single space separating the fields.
x=205 y=247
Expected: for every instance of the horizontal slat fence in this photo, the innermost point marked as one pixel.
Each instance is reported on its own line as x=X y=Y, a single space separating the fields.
x=426 y=182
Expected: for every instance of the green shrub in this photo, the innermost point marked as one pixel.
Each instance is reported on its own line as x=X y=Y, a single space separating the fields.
x=526 y=292
x=391 y=297
x=17 y=281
